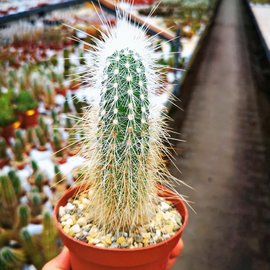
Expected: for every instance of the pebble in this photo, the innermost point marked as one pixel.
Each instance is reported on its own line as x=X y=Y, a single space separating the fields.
x=77 y=223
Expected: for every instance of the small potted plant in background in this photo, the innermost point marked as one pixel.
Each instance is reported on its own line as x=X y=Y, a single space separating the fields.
x=4 y=158
x=42 y=142
x=8 y=119
x=121 y=215
x=59 y=155
x=20 y=159
x=27 y=108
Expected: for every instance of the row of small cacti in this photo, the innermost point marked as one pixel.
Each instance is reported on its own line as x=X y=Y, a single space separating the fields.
x=17 y=245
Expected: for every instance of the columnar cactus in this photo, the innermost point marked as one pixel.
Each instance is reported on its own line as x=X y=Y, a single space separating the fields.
x=16 y=182
x=11 y=259
x=18 y=151
x=23 y=217
x=8 y=202
x=124 y=132
x=49 y=237
x=31 y=248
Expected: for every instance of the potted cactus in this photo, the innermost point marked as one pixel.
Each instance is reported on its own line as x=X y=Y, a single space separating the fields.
x=121 y=215
x=4 y=158
x=27 y=108
x=8 y=119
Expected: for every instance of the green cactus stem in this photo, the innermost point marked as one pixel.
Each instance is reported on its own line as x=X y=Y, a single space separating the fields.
x=39 y=181
x=7 y=192
x=58 y=176
x=35 y=201
x=19 y=136
x=123 y=185
x=3 y=149
x=22 y=217
x=35 y=167
x=49 y=237
x=54 y=117
x=66 y=62
x=66 y=107
x=68 y=124
x=57 y=146
x=18 y=151
x=16 y=182
x=41 y=122
x=8 y=202
x=31 y=248
x=40 y=136
x=82 y=59
x=11 y=259
x=30 y=136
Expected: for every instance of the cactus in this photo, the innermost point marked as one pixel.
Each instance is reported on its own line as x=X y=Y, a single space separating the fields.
x=49 y=237
x=49 y=97
x=124 y=132
x=66 y=107
x=39 y=181
x=35 y=167
x=11 y=259
x=19 y=137
x=68 y=124
x=41 y=122
x=18 y=151
x=16 y=182
x=59 y=152
x=54 y=117
x=58 y=178
x=35 y=201
x=40 y=136
x=3 y=149
x=31 y=248
x=8 y=202
x=66 y=62
x=23 y=217
x=30 y=136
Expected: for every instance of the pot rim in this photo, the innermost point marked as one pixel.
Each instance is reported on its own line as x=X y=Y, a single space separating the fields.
x=72 y=191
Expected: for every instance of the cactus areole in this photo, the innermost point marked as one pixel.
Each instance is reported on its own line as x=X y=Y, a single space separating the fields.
x=123 y=143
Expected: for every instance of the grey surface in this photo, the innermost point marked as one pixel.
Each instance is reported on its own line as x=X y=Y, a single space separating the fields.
x=224 y=157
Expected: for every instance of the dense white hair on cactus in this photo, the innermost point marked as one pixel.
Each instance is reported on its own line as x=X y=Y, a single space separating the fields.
x=141 y=117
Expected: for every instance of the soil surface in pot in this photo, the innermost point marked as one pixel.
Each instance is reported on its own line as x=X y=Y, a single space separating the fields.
x=75 y=221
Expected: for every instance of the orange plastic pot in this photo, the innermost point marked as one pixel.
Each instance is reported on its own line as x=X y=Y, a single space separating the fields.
x=29 y=118
x=8 y=131
x=88 y=257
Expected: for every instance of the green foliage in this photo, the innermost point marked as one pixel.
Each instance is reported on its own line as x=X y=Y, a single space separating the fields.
x=7 y=114
x=25 y=101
